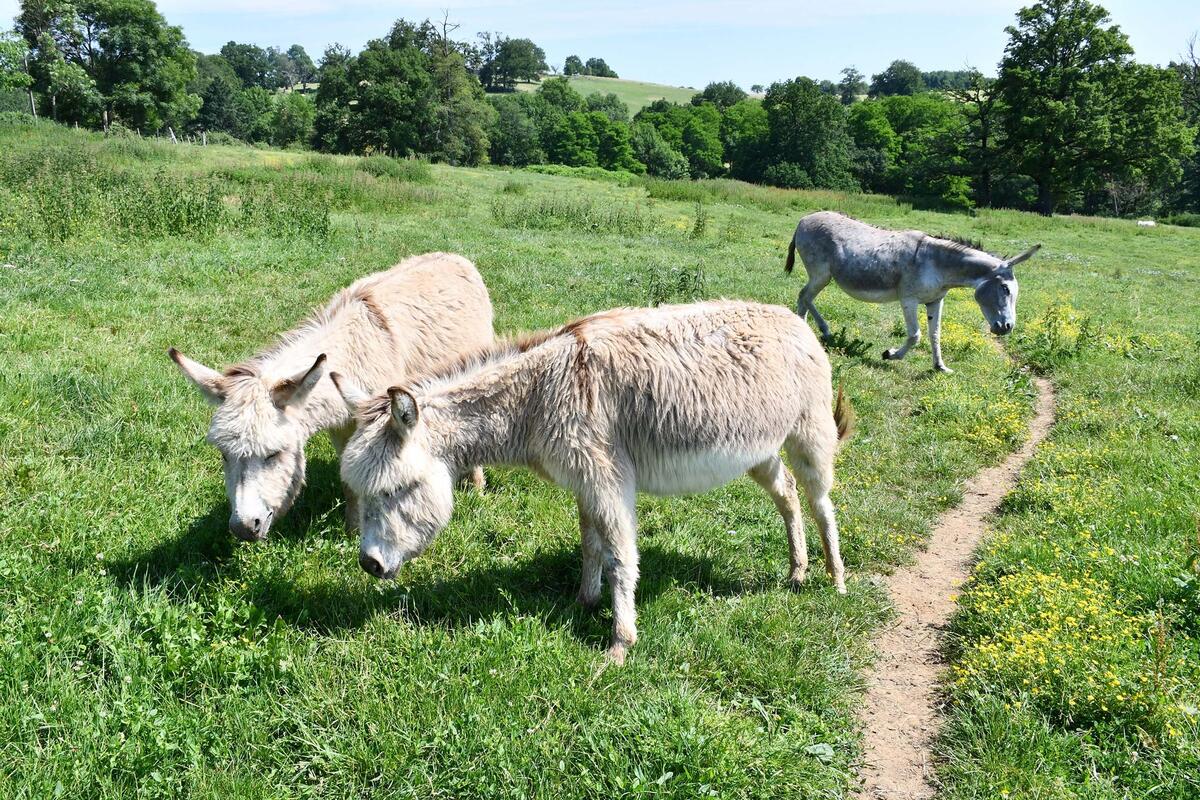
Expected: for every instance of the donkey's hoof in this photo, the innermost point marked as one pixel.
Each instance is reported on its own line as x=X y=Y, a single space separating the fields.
x=887 y=355
x=796 y=580
x=943 y=368
x=616 y=653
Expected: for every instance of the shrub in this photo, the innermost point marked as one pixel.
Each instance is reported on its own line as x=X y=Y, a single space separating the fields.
x=787 y=175
x=679 y=284
x=1184 y=219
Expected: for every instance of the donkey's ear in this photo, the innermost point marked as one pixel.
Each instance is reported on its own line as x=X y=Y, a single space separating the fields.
x=404 y=410
x=294 y=391
x=210 y=382
x=1028 y=254
x=352 y=396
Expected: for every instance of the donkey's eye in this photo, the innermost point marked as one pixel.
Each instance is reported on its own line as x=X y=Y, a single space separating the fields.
x=271 y=459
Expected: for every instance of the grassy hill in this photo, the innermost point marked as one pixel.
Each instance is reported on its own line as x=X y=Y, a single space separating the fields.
x=145 y=653
x=635 y=94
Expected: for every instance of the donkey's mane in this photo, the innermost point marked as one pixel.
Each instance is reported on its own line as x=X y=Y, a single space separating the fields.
x=960 y=243
x=345 y=301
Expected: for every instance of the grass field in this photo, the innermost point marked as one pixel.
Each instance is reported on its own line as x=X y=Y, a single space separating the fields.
x=145 y=653
x=635 y=94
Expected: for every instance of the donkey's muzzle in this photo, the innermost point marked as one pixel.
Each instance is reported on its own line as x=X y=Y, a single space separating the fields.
x=248 y=530
x=372 y=566
x=1002 y=328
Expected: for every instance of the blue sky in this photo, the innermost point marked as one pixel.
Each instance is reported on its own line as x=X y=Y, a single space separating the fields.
x=685 y=43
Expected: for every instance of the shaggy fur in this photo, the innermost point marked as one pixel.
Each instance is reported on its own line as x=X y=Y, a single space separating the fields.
x=881 y=266
x=385 y=328
x=669 y=400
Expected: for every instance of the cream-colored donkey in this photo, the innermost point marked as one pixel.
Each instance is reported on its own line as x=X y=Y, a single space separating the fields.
x=385 y=328
x=670 y=400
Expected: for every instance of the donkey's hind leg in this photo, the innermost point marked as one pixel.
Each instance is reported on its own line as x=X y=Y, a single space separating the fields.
x=911 y=326
x=805 y=305
x=773 y=476
x=811 y=454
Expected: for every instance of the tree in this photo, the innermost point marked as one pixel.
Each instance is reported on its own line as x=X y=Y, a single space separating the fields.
x=513 y=138
x=252 y=109
x=661 y=160
x=281 y=72
x=1070 y=93
x=331 y=128
x=597 y=67
x=14 y=74
x=249 y=62
x=103 y=61
x=721 y=94
x=572 y=141
x=573 y=66
x=461 y=113
x=985 y=145
x=306 y=70
x=517 y=60
x=608 y=104
x=901 y=77
x=613 y=147
x=218 y=87
x=702 y=142
x=851 y=86
x=557 y=92
x=1187 y=193
x=393 y=97
x=808 y=128
x=757 y=88
x=744 y=130
x=291 y=119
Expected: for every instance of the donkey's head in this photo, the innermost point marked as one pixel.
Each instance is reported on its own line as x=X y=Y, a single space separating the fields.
x=997 y=294
x=261 y=442
x=405 y=494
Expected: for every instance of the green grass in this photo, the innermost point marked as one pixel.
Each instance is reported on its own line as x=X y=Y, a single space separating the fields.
x=143 y=652
x=635 y=94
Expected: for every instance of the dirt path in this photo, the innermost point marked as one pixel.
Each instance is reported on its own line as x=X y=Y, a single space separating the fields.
x=900 y=715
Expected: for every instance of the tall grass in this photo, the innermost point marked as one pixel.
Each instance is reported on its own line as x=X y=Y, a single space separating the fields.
x=577 y=213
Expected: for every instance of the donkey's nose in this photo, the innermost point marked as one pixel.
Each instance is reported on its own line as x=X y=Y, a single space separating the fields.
x=1005 y=328
x=371 y=565
x=246 y=531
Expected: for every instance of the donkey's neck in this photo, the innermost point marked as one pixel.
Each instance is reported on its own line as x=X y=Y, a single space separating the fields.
x=484 y=420
x=959 y=266
x=297 y=351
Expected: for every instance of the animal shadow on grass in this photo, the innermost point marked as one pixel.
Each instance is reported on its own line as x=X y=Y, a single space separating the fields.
x=542 y=585
x=188 y=563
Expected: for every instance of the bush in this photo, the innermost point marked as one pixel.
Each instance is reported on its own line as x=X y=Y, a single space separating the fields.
x=1184 y=219
x=787 y=175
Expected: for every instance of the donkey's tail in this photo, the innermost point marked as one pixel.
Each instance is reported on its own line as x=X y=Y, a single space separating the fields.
x=843 y=415
x=791 y=259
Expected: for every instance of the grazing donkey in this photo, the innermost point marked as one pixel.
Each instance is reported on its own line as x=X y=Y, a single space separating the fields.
x=668 y=400
x=384 y=328
x=880 y=266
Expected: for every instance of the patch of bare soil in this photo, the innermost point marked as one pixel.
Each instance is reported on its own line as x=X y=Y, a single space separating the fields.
x=900 y=714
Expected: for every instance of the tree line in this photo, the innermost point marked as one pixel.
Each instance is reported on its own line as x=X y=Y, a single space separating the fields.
x=1071 y=122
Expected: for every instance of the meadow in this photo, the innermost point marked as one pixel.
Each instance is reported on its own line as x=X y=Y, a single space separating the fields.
x=635 y=94
x=144 y=652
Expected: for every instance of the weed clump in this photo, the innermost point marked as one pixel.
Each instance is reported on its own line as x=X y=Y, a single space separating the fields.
x=561 y=212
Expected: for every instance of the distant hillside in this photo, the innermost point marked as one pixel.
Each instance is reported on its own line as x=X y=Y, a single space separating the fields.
x=635 y=94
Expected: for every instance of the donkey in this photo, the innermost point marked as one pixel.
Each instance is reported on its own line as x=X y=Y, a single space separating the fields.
x=384 y=328
x=669 y=400
x=881 y=266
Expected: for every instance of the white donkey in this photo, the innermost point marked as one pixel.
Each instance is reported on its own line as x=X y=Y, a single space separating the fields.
x=882 y=266
x=383 y=329
x=669 y=400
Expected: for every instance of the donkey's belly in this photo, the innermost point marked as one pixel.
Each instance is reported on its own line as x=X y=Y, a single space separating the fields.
x=869 y=294
x=695 y=471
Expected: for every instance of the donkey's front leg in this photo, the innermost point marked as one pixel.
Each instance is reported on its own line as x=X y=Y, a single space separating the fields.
x=339 y=437
x=592 y=548
x=934 y=312
x=911 y=326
